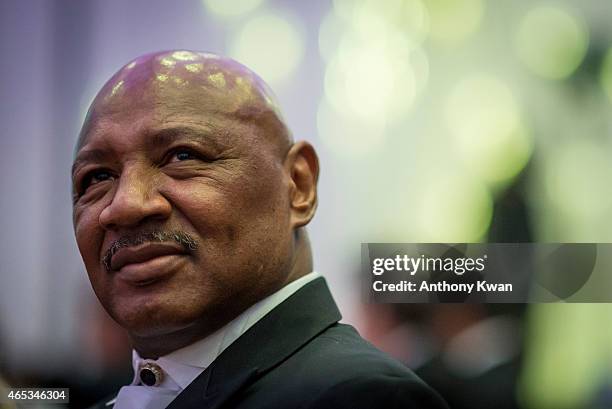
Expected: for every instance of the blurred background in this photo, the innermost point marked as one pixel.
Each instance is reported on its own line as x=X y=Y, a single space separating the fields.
x=435 y=121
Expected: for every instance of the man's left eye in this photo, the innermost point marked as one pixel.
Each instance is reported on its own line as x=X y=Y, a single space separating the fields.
x=182 y=155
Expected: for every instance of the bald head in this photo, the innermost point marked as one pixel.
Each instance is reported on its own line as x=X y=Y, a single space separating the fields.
x=196 y=83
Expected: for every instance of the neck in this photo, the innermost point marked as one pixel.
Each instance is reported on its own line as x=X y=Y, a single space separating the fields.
x=155 y=346
x=302 y=261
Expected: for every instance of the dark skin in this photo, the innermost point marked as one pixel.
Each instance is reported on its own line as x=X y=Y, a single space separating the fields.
x=190 y=143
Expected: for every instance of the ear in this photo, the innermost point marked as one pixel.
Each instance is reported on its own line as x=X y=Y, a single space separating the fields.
x=302 y=166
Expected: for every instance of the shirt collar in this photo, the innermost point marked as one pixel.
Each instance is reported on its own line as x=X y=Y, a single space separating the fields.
x=185 y=364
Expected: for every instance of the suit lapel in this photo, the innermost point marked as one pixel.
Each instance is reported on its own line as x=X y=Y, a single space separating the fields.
x=266 y=344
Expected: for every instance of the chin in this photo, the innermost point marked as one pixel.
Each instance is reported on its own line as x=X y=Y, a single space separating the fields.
x=152 y=319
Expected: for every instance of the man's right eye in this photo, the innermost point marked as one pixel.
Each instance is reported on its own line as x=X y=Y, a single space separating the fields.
x=94 y=177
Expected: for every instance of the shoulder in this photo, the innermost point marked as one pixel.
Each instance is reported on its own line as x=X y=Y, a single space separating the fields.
x=342 y=351
x=339 y=369
x=378 y=391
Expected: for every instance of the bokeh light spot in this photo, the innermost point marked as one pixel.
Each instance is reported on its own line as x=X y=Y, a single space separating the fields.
x=488 y=131
x=576 y=173
x=453 y=21
x=374 y=82
x=551 y=42
x=452 y=208
x=271 y=45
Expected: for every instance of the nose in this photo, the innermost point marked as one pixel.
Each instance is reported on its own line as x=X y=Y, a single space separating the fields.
x=137 y=199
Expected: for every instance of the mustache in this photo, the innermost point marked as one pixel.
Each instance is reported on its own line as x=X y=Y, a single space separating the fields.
x=158 y=236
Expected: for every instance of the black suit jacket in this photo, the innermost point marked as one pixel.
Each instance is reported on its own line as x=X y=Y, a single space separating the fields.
x=299 y=356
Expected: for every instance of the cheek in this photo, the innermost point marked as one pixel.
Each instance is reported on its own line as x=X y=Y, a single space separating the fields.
x=228 y=199
x=236 y=217
x=244 y=203
x=89 y=236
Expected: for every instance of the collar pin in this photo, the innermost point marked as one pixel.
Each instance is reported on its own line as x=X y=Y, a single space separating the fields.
x=151 y=374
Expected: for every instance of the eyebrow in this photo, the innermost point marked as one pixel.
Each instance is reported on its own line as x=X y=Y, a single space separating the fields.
x=211 y=135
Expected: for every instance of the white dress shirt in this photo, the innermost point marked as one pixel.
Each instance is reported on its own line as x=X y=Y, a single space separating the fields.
x=182 y=366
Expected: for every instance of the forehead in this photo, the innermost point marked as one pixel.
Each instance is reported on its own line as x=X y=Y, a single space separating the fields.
x=179 y=86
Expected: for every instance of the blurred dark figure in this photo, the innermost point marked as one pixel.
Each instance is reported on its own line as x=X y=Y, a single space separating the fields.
x=470 y=353
x=478 y=361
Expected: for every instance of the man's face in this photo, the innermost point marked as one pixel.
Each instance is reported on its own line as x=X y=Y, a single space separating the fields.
x=181 y=207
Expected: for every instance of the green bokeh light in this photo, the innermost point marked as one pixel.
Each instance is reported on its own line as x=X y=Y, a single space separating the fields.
x=453 y=21
x=488 y=131
x=452 y=208
x=551 y=42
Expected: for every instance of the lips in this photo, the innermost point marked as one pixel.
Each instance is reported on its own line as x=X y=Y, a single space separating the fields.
x=143 y=253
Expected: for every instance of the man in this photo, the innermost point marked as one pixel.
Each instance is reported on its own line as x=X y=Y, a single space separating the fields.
x=190 y=201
